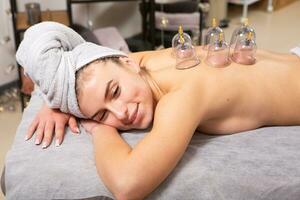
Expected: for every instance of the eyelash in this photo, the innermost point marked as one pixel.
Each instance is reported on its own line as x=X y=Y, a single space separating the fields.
x=103 y=115
x=116 y=92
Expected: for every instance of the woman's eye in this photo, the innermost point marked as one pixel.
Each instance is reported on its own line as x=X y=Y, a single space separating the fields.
x=102 y=117
x=116 y=92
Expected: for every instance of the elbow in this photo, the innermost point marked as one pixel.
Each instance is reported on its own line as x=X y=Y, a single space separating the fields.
x=127 y=188
x=127 y=194
x=122 y=197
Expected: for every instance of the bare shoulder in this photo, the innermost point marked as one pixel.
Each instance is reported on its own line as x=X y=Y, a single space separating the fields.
x=178 y=111
x=158 y=59
x=139 y=57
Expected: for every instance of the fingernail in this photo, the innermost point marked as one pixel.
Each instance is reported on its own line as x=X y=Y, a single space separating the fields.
x=57 y=143
x=77 y=130
x=37 y=141
x=26 y=137
x=44 y=145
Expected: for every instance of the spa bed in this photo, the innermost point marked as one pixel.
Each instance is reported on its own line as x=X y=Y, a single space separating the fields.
x=258 y=164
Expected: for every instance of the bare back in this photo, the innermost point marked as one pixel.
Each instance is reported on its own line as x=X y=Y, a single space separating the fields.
x=238 y=97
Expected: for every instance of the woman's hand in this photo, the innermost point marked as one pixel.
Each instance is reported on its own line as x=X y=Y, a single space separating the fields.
x=88 y=125
x=95 y=127
x=49 y=122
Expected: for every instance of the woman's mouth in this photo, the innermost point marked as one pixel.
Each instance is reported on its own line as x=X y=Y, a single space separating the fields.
x=134 y=116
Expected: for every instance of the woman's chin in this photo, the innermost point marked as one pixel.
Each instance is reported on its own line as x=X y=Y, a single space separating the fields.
x=142 y=122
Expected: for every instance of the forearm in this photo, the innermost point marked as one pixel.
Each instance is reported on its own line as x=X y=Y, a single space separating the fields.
x=110 y=155
x=133 y=173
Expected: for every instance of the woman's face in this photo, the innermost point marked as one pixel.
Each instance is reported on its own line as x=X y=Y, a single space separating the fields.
x=117 y=96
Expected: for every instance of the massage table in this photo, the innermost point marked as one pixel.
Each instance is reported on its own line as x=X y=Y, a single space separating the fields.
x=258 y=164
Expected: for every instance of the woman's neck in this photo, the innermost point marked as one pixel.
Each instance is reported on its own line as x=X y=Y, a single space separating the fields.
x=157 y=91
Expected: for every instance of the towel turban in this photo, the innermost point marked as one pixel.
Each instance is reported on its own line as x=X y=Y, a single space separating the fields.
x=50 y=54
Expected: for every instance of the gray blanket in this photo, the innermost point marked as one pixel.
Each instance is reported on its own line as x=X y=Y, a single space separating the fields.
x=258 y=164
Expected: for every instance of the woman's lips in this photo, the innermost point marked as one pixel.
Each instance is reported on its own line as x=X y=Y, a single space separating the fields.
x=133 y=116
x=136 y=115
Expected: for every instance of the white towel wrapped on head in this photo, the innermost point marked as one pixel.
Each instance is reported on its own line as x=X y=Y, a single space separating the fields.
x=50 y=54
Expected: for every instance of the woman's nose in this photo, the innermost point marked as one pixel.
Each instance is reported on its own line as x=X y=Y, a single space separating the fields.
x=119 y=109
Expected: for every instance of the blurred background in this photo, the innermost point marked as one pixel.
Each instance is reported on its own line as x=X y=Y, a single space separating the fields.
x=132 y=25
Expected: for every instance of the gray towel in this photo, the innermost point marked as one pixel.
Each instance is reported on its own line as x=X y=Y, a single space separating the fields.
x=51 y=53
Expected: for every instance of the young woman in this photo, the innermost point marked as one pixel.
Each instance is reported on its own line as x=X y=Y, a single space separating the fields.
x=133 y=92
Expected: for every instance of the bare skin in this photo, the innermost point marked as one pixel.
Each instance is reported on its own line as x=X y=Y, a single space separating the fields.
x=238 y=97
x=212 y=100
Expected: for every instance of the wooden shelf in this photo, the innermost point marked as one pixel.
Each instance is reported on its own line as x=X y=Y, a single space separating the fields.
x=60 y=16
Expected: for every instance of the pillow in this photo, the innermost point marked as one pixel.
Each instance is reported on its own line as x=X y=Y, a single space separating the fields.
x=258 y=164
x=111 y=37
x=86 y=33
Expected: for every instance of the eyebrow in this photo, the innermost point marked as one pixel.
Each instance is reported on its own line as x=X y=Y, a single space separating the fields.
x=105 y=96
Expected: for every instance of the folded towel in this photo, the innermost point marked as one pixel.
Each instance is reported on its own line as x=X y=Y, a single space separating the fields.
x=50 y=54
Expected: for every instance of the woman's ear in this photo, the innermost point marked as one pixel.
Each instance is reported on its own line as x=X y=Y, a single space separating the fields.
x=129 y=62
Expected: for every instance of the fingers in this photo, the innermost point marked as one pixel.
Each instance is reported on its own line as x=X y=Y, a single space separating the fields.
x=48 y=133
x=59 y=133
x=73 y=125
x=45 y=127
x=31 y=129
x=39 y=133
x=45 y=132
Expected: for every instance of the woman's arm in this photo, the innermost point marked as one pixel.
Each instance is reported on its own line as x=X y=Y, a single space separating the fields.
x=132 y=173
